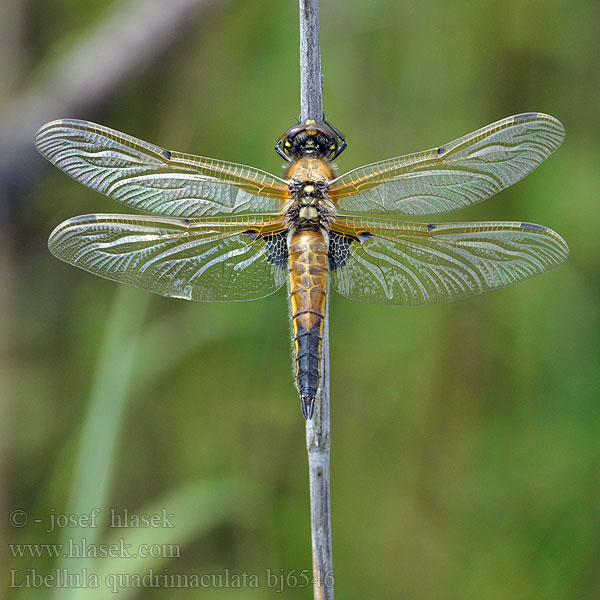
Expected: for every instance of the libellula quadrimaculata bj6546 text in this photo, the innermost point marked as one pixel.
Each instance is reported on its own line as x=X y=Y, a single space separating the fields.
x=224 y=231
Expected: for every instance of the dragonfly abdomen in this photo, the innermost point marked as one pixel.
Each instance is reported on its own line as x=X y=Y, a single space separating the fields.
x=308 y=266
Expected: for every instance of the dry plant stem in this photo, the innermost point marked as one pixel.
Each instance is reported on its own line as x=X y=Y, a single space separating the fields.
x=318 y=446
x=318 y=428
x=311 y=88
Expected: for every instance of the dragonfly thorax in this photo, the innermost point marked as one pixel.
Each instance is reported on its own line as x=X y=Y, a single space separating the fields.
x=309 y=205
x=308 y=214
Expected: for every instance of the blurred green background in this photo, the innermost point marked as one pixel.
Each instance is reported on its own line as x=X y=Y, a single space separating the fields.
x=465 y=437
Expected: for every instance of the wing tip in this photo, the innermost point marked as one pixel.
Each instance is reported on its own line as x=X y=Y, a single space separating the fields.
x=59 y=123
x=556 y=236
x=59 y=229
x=540 y=116
x=39 y=137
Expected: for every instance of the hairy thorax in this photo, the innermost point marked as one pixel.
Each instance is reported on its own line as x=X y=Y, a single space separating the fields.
x=309 y=206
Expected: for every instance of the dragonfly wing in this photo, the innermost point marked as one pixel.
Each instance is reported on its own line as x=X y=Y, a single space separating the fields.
x=414 y=263
x=152 y=179
x=456 y=175
x=195 y=260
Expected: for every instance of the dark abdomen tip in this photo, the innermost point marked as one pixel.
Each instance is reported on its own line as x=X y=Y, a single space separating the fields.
x=308 y=406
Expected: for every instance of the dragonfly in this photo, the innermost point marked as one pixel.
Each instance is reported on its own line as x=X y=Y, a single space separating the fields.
x=220 y=231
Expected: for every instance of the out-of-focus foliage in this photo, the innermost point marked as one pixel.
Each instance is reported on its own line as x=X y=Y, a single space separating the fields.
x=465 y=437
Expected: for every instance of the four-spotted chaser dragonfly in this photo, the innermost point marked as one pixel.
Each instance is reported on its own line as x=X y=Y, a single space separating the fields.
x=224 y=231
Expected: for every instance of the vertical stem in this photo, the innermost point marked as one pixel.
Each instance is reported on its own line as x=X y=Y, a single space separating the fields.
x=318 y=447
x=311 y=87
x=317 y=428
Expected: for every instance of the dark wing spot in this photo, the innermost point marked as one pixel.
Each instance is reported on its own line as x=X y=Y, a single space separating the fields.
x=275 y=246
x=253 y=235
x=441 y=151
x=430 y=227
x=525 y=116
x=534 y=226
x=339 y=249
x=166 y=154
x=277 y=249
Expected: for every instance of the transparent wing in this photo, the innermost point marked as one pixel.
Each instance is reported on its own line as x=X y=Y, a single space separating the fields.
x=458 y=174
x=195 y=260
x=413 y=263
x=152 y=179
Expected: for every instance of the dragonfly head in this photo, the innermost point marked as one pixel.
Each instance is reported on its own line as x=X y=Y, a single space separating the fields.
x=310 y=140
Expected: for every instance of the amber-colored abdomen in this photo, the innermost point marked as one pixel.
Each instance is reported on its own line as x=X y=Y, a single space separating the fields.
x=308 y=296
